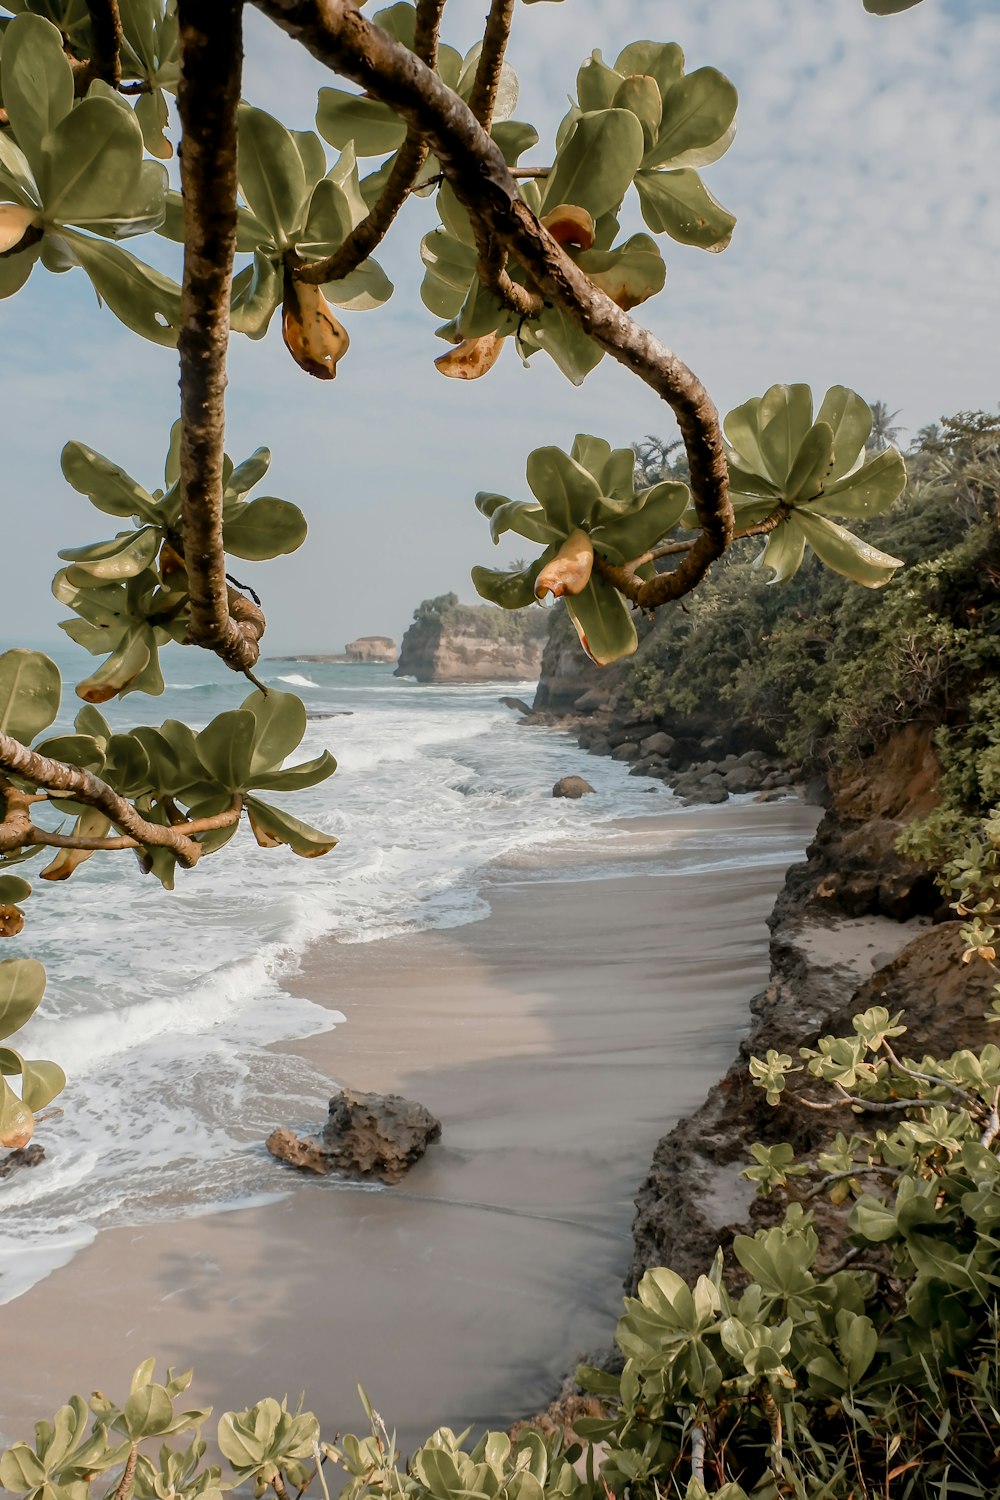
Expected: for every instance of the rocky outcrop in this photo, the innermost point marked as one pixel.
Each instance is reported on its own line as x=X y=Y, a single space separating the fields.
x=452 y=642
x=365 y=1136
x=371 y=648
x=24 y=1156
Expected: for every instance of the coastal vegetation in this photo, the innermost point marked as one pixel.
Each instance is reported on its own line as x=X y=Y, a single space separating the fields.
x=875 y=1375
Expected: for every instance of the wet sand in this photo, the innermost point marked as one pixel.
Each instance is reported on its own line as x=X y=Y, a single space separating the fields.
x=557 y=1039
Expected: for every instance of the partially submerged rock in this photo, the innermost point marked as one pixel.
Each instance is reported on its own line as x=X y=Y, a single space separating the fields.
x=366 y=1136
x=571 y=786
x=24 y=1156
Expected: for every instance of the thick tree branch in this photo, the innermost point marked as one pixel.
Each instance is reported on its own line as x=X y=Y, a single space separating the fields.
x=211 y=52
x=483 y=98
x=63 y=780
x=366 y=237
x=338 y=34
x=106 y=42
x=625 y=577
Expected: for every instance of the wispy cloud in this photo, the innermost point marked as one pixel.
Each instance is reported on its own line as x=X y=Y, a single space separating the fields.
x=867 y=251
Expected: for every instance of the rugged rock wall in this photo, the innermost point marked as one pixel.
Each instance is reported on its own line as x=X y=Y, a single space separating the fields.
x=854 y=926
x=371 y=648
x=465 y=645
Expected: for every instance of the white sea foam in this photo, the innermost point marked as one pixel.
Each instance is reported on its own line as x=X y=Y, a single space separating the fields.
x=161 y=1006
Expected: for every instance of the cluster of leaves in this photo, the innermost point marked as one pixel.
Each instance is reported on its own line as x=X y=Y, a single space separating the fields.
x=787 y=473
x=130 y=593
x=830 y=671
x=643 y=122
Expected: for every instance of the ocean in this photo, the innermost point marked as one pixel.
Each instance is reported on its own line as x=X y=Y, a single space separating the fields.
x=163 y=1008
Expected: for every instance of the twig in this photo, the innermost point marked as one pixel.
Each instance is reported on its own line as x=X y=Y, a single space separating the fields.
x=491 y=268
x=211 y=53
x=698 y=1454
x=82 y=786
x=624 y=577
x=106 y=36
x=483 y=98
x=125 y=1484
x=832 y=1177
x=931 y=1078
x=992 y=1130
x=73 y=841
x=338 y=34
x=366 y=236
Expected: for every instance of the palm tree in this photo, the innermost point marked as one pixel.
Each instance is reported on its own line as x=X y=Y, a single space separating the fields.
x=883 y=434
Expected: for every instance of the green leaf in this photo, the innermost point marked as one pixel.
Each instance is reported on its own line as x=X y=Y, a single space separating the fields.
x=248 y=473
x=850 y=416
x=93 y=164
x=225 y=748
x=663 y=61
x=311 y=153
x=514 y=137
x=272 y=826
x=521 y=516
x=264 y=528
x=16 y=1120
x=297 y=778
x=123 y=557
x=846 y=553
x=597 y=84
x=30 y=693
x=567 y=492
x=650 y=519
x=592 y=453
x=510 y=588
x=328 y=222
x=364 y=288
x=280 y=723
x=889 y=7
x=629 y=274
x=37 y=84
x=272 y=173
x=22 y=985
x=148 y=1410
x=106 y=485
x=869 y=491
x=603 y=621
x=15 y=270
x=697 y=112
x=122 y=668
x=679 y=204
x=40 y=1082
x=78 y=749
x=812 y=464
x=449 y=271
x=784 y=551
x=153 y=117
x=642 y=96
x=783 y=419
x=143 y=299
x=565 y=342
x=343 y=118
x=257 y=291
x=13 y=889
x=595 y=166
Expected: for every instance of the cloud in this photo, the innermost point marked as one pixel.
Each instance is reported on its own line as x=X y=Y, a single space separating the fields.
x=866 y=251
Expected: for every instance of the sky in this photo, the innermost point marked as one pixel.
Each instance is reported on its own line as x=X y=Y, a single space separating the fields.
x=864 y=177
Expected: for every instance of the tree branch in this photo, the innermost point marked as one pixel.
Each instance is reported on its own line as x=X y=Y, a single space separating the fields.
x=483 y=98
x=337 y=34
x=64 y=780
x=106 y=39
x=211 y=52
x=625 y=577
x=366 y=236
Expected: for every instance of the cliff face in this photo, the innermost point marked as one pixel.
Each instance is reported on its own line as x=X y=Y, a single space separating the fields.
x=371 y=648
x=452 y=642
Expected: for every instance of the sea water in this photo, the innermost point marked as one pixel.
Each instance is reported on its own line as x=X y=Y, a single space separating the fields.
x=161 y=1005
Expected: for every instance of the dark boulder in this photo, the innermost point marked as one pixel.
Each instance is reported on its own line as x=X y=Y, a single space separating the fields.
x=571 y=786
x=366 y=1136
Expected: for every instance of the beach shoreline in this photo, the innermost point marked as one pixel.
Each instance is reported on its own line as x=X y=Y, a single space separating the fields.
x=556 y=1038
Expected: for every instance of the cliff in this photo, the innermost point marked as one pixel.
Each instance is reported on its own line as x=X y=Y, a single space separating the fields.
x=371 y=648
x=453 y=642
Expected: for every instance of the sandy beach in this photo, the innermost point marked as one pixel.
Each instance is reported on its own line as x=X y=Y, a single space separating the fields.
x=557 y=1040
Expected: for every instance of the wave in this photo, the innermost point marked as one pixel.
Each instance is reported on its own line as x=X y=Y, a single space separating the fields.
x=295 y=679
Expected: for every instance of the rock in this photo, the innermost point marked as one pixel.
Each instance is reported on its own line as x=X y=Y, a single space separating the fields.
x=516 y=703
x=657 y=744
x=25 y=1156
x=773 y=794
x=453 y=642
x=591 y=701
x=629 y=750
x=713 y=779
x=741 y=779
x=571 y=786
x=371 y=648
x=366 y=1136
